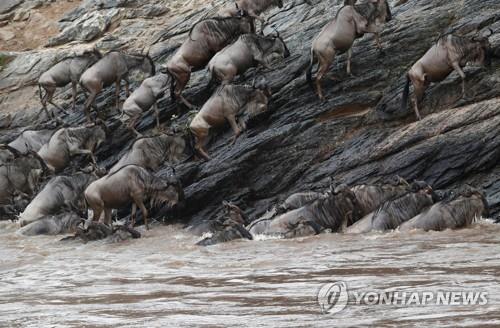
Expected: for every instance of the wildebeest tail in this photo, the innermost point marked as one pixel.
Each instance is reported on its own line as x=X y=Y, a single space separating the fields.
x=406 y=92
x=309 y=69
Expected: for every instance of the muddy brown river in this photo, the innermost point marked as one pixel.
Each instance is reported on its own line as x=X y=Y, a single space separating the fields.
x=164 y=280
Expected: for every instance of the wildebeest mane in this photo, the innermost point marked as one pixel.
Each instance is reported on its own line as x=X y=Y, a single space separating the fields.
x=464 y=46
x=222 y=27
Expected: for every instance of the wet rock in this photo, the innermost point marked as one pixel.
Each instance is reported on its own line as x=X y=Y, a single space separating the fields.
x=8 y=5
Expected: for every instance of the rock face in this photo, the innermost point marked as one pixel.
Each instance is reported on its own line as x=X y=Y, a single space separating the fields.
x=359 y=134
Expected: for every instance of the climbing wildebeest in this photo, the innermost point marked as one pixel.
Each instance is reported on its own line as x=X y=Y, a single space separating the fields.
x=377 y=13
x=31 y=140
x=60 y=193
x=335 y=211
x=229 y=227
x=205 y=39
x=131 y=184
x=52 y=225
x=339 y=35
x=235 y=103
x=113 y=68
x=145 y=98
x=151 y=152
x=67 y=142
x=369 y=197
x=396 y=211
x=253 y=7
x=66 y=71
x=451 y=52
x=20 y=177
x=456 y=212
x=248 y=51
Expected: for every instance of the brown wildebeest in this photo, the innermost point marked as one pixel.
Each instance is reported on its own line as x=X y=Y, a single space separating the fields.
x=145 y=98
x=151 y=152
x=31 y=140
x=451 y=52
x=60 y=193
x=131 y=184
x=377 y=13
x=339 y=35
x=235 y=103
x=334 y=211
x=113 y=68
x=248 y=51
x=205 y=39
x=457 y=211
x=67 y=142
x=396 y=211
x=67 y=71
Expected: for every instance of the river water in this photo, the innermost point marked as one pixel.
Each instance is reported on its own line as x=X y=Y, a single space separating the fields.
x=164 y=280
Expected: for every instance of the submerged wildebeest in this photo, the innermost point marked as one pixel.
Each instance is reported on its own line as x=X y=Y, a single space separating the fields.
x=145 y=98
x=229 y=227
x=396 y=211
x=20 y=176
x=153 y=151
x=67 y=142
x=131 y=184
x=97 y=231
x=52 y=225
x=235 y=103
x=248 y=51
x=334 y=211
x=205 y=39
x=113 y=68
x=66 y=71
x=451 y=52
x=339 y=35
x=31 y=140
x=369 y=196
x=59 y=194
x=457 y=211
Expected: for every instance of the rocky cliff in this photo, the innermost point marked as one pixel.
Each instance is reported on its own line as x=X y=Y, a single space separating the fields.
x=358 y=134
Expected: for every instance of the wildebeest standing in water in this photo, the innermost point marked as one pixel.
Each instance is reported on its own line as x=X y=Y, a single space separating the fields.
x=153 y=151
x=457 y=211
x=59 y=194
x=52 y=225
x=131 y=184
x=235 y=103
x=396 y=211
x=248 y=51
x=205 y=39
x=67 y=71
x=113 y=68
x=67 y=142
x=230 y=226
x=452 y=52
x=31 y=140
x=339 y=35
x=144 y=98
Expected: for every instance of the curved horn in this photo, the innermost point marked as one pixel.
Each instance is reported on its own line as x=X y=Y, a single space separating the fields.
x=253 y=82
x=491 y=32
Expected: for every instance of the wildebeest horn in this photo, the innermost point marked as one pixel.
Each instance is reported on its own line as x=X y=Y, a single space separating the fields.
x=491 y=32
x=253 y=82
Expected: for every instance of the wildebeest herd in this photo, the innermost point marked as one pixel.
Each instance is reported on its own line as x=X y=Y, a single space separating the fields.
x=228 y=46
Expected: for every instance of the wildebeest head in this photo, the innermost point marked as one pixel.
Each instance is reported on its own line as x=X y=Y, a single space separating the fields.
x=235 y=213
x=262 y=85
x=148 y=66
x=247 y=23
x=483 y=52
x=96 y=135
x=279 y=46
x=382 y=9
x=170 y=192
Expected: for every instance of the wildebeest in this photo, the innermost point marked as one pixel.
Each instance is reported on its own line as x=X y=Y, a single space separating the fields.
x=339 y=35
x=67 y=142
x=153 y=151
x=20 y=177
x=131 y=184
x=31 y=140
x=451 y=52
x=113 y=68
x=205 y=39
x=458 y=211
x=66 y=71
x=253 y=7
x=298 y=200
x=235 y=103
x=61 y=193
x=97 y=231
x=396 y=211
x=377 y=13
x=52 y=225
x=145 y=98
x=8 y=153
x=370 y=196
x=334 y=211
x=229 y=227
x=248 y=51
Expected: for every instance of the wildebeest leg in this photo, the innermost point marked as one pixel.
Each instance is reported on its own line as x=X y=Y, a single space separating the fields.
x=107 y=216
x=377 y=41
x=132 y=215
x=200 y=136
x=127 y=86
x=235 y=127
x=131 y=126
x=44 y=100
x=157 y=115
x=88 y=103
x=117 y=94
x=457 y=68
x=78 y=151
x=137 y=197
x=50 y=95
x=73 y=87
x=324 y=65
x=349 y=57
x=96 y=213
